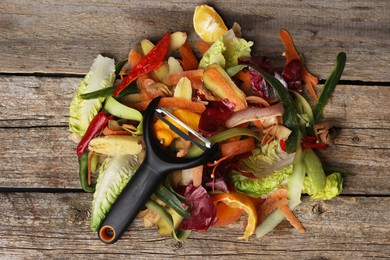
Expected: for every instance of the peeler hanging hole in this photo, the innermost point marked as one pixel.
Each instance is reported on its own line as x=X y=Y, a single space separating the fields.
x=107 y=234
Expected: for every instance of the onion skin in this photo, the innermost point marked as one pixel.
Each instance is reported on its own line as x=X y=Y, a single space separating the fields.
x=254 y=113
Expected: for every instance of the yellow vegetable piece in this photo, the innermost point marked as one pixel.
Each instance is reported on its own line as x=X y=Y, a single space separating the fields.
x=165 y=135
x=208 y=24
x=116 y=145
x=164 y=228
x=183 y=89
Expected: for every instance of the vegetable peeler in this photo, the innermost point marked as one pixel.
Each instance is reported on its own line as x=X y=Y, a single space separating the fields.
x=155 y=167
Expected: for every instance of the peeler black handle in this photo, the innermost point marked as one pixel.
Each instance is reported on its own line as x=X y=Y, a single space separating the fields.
x=129 y=203
x=156 y=165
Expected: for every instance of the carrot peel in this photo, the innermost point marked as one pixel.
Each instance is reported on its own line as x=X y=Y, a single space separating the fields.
x=291 y=53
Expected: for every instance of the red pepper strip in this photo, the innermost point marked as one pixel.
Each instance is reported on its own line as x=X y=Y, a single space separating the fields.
x=148 y=63
x=95 y=127
x=282 y=144
x=312 y=142
x=314 y=145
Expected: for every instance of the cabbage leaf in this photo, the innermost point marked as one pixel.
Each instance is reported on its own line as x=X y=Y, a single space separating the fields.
x=82 y=111
x=114 y=173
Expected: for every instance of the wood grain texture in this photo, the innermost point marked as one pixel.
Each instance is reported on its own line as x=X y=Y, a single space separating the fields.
x=336 y=229
x=44 y=157
x=36 y=151
x=28 y=101
x=76 y=31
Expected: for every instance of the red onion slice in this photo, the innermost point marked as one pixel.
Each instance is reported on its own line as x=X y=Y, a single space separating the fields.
x=254 y=113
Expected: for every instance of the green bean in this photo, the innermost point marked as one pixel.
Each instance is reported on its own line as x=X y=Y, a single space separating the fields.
x=329 y=86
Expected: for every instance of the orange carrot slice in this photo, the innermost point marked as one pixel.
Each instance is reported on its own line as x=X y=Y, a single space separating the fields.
x=278 y=200
x=237 y=147
x=270 y=203
x=289 y=215
x=202 y=46
x=108 y=131
x=195 y=76
x=292 y=54
x=219 y=82
x=133 y=58
x=245 y=77
x=171 y=102
x=189 y=61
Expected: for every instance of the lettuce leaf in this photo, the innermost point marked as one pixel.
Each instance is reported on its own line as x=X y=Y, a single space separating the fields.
x=257 y=187
x=267 y=158
x=82 y=111
x=214 y=55
x=114 y=173
x=226 y=51
x=333 y=187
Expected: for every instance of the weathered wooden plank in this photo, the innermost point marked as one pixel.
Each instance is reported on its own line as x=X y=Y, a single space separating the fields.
x=44 y=101
x=34 y=39
x=346 y=227
x=44 y=157
x=356 y=106
x=35 y=101
x=38 y=158
x=30 y=157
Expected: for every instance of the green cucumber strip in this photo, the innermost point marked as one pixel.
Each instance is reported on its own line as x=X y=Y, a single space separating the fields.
x=295 y=184
x=117 y=109
x=169 y=198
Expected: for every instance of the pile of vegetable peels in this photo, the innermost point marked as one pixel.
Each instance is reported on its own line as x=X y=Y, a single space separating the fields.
x=267 y=122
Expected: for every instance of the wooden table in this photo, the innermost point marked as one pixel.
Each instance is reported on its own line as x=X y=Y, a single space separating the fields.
x=46 y=47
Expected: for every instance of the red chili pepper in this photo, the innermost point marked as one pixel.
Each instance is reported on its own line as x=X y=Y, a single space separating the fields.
x=151 y=61
x=312 y=142
x=95 y=127
x=283 y=145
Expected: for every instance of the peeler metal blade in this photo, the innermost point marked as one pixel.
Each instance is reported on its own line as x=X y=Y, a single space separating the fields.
x=206 y=142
